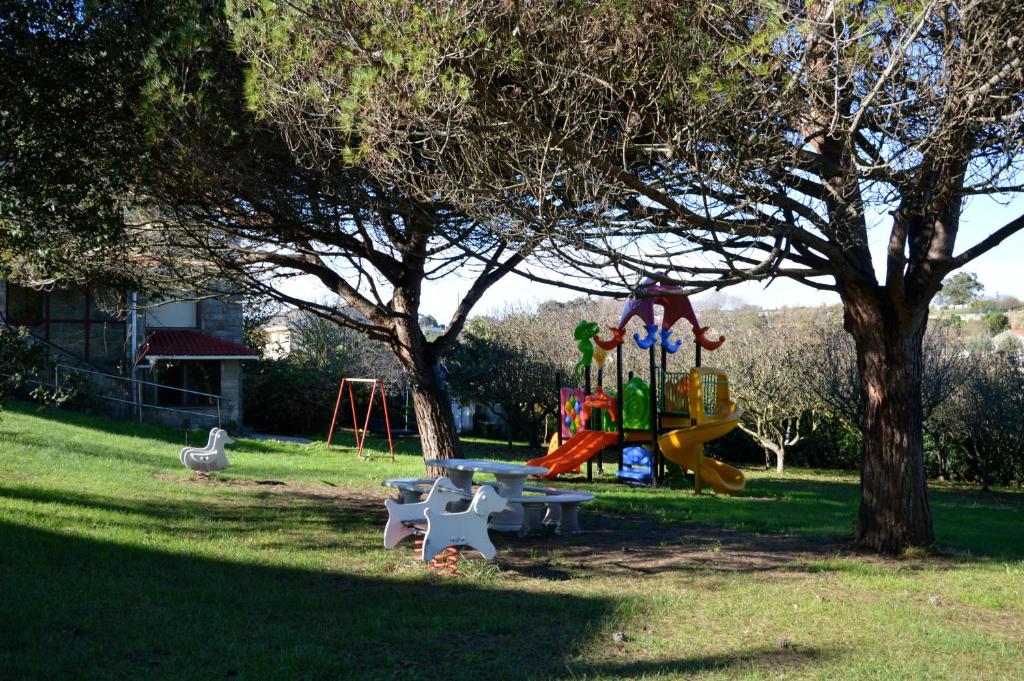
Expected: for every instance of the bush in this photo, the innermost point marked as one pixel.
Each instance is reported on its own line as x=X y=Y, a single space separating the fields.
x=287 y=398
x=25 y=372
x=829 y=445
x=22 y=362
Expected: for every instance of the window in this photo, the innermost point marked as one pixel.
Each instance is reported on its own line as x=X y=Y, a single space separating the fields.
x=194 y=375
x=79 y=321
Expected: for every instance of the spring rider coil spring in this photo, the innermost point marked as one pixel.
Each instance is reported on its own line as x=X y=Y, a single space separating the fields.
x=446 y=562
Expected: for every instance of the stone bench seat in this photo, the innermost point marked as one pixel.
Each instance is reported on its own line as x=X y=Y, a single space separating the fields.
x=551 y=507
x=542 y=506
x=411 y=490
x=443 y=528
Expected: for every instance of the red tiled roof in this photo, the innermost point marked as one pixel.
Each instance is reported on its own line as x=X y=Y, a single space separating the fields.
x=191 y=343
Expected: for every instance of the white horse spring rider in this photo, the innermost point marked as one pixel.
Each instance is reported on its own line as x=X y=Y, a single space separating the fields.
x=211 y=457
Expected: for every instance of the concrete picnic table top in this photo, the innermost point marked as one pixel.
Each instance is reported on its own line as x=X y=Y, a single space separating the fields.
x=492 y=467
x=562 y=503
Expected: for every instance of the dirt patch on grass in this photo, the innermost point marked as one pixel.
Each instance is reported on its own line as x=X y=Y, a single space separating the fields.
x=617 y=545
x=610 y=544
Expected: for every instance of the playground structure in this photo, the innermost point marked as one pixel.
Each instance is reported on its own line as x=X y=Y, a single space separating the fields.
x=668 y=418
x=377 y=388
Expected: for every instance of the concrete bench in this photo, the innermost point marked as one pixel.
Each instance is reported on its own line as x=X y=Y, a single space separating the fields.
x=410 y=490
x=443 y=528
x=551 y=507
x=542 y=507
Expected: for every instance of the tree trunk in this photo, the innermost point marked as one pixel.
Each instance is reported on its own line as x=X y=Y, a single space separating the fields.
x=894 y=510
x=420 y=360
x=769 y=446
x=436 y=425
x=982 y=467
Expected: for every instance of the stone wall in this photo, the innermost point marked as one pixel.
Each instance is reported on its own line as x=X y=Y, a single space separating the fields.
x=204 y=418
x=231 y=392
x=221 y=318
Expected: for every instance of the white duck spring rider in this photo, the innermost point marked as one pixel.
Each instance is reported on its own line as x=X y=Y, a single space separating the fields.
x=211 y=457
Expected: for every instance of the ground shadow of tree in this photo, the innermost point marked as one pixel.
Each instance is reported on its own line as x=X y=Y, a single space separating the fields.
x=76 y=608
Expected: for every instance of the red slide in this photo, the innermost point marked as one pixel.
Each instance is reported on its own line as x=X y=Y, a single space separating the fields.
x=576 y=450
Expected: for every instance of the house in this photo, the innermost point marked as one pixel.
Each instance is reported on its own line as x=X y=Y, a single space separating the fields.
x=277 y=333
x=178 y=362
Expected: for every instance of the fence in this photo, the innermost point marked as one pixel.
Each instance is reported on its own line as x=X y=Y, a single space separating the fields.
x=128 y=392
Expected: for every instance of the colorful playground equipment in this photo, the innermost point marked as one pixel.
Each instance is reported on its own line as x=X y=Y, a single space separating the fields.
x=669 y=418
x=711 y=417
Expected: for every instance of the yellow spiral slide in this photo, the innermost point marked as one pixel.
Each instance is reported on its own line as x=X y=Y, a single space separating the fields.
x=685 y=446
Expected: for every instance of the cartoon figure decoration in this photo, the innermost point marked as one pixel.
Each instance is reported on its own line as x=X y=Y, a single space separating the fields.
x=616 y=339
x=584 y=332
x=675 y=306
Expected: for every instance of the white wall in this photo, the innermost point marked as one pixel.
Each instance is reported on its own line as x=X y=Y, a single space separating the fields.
x=176 y=315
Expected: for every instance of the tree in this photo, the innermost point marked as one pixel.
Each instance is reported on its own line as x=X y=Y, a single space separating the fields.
x=337 y=351
x=256 y=313
x=895 y=109
x=997 y=322
x=980 y=422
x=495 y=363
x=218 y=197
x=22 y=362
x=762 y=135
x=769 y=359
x=61 y=118
x=961 y=288
x=321 y=352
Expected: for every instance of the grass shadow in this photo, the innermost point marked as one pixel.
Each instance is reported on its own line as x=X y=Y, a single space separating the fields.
x=77 y=607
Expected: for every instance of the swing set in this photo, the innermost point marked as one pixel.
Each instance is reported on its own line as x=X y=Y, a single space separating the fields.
x=377 y=387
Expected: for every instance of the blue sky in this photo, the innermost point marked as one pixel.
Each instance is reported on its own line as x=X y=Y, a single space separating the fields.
x=1000 y=270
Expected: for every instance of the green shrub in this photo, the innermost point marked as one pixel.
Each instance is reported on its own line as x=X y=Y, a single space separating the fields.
x=287 y=398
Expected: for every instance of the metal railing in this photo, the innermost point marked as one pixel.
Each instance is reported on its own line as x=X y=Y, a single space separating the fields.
x=134 y=397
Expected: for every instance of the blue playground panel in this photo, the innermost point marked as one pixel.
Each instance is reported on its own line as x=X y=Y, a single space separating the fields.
x=636 y=465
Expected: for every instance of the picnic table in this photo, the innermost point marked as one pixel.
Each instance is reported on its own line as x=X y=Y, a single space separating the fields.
x=510 y=477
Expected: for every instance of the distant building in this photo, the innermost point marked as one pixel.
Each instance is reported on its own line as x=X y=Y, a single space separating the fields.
x=186 y=355
x=277 y=333
x=280 y=339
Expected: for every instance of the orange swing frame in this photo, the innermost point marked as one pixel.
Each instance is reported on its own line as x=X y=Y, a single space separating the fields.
x=361 y=438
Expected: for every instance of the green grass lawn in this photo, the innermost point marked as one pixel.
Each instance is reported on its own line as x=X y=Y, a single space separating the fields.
x=116 y=563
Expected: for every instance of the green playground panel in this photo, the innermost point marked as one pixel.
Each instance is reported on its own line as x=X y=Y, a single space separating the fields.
x=636 y=404
x=607 y=424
